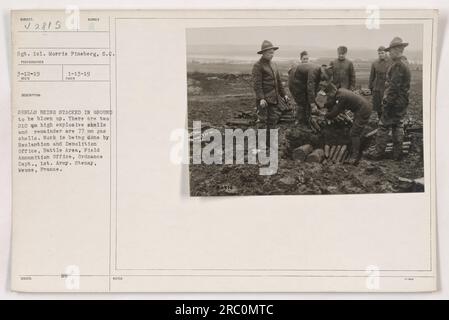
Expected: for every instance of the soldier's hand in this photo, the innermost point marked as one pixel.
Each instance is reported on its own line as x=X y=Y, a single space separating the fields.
x=286 y=98
x=314 y=108
x=263 y=103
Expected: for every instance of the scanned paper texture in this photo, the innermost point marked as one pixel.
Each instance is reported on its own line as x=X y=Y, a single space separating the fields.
x=224 y=151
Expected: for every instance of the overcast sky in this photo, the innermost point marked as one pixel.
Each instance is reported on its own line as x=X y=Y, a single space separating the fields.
x=309 y=36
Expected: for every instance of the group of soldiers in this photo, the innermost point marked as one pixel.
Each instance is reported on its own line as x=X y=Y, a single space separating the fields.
x=389 y=84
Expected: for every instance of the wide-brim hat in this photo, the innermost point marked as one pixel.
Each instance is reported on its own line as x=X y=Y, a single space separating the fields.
x=266 y=45
x=396 y=42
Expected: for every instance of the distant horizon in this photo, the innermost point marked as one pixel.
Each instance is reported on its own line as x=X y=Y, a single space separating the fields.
x=319 y=41
x=290 y=46
x=246 y=53
x=355 y=36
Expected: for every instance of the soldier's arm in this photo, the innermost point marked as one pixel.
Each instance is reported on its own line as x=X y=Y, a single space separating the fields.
x=338 y=108
x=257 y=82
x=312 y=78
x=351 y=76
x=280 y=86
x=394 y=85
x=331 y=73
x=372 y=75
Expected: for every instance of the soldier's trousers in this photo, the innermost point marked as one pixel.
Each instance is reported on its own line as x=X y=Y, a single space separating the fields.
x=269 y=115
x=377 y=101
x=361 y=119
x=302 y=108
x=268 y=119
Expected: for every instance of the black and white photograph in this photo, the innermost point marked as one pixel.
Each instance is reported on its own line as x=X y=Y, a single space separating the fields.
x=305 y=110
x=278 y=150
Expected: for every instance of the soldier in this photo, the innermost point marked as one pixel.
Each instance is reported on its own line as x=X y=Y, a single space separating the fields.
x=343 y=75
x=395 y=102
x=304 y=57
x=271 y=98
x=377 y=79
x=341 y=100
x=303 y=82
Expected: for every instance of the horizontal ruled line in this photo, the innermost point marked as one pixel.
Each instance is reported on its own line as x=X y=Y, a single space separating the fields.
x=63 y=80
x=74 y=48
x=63 y=64
x=61 y=31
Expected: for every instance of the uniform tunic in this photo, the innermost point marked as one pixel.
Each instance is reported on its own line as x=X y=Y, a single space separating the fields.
x=267 y=81
x=377 y=78
x=395 y=103
x=343 y=74
x=267 y=85
x=303 y=82
x=347 y=100
x=397 y=86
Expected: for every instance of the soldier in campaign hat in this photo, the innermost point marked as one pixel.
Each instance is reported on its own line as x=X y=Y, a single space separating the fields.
x=395 y=101
x=271 y=98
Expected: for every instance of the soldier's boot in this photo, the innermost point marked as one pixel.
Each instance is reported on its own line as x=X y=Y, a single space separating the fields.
x=398 y=139
x=355 y=151
x=381 y=143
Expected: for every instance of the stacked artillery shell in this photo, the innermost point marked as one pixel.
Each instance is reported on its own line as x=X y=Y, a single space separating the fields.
x=341 y=153
x=405 y=147
x=345 y=156
x=332 y=151
x=348 y=119
x=315 y=125
x=343 y=119
x=371 y=133
x=246 y=114
x=199 y=136
x=316 y=156
x=287 y=117
x=238 y=123
x=326 y=151
x=302 y=152
x=336 y=153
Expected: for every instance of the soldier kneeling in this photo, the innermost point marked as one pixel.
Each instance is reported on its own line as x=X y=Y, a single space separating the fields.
x=341 y=100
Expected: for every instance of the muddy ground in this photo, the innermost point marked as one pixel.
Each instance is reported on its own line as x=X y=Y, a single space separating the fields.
x=216 y=98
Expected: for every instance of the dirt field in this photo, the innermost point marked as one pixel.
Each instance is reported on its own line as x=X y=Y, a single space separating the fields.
x=217 y=97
